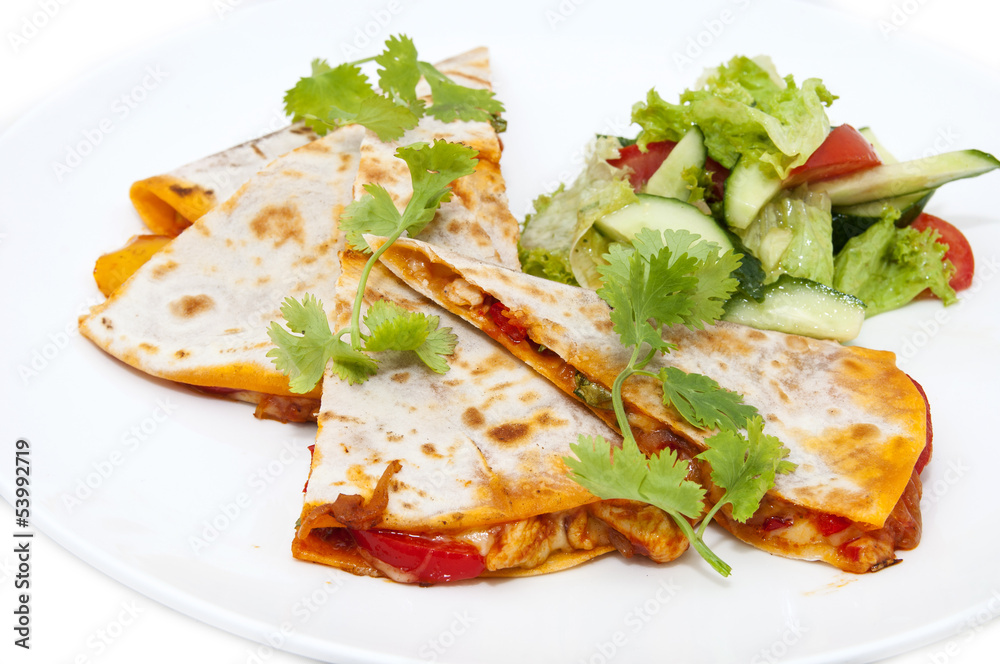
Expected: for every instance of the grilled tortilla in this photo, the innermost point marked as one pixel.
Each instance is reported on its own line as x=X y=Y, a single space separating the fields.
x=855 y=424
x=197 y=312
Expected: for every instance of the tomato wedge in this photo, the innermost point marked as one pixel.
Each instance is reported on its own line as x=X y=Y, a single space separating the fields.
x=644 y=164
x=426 y=559
x=959 y=250
x=844 y=151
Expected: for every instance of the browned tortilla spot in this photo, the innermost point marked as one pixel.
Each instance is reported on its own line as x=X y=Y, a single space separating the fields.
x=149 y=348
x=430 y=450
x=161 y=270
x=473 y=418
x=279 y=222
x=191 y=305
x=182 y=191
x=401 y=376
x=509 y=432
x=181 y=354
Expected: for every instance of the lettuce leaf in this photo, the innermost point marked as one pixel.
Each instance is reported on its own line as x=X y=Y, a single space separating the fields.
x=744 y=109
x=888 y=266
x=562 y=220
x=793 y=235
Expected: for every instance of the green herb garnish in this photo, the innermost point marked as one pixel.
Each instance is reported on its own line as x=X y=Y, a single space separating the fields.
x=662 y=280
x=332 y=97
x=304 y=349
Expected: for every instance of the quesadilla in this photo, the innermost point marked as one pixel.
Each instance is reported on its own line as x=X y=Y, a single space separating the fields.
x=170 y=202
x=197 y=311
x=427 y=478
x=856 y=425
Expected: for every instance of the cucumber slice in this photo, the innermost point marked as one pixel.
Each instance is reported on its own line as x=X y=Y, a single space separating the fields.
x=748 y=190
x=908 y=177
x=800 y=306
x=667 y=180
x=661 y=214
x=852 y=220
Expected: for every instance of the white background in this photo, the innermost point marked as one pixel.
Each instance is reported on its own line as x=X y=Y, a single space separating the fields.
x=39 y=58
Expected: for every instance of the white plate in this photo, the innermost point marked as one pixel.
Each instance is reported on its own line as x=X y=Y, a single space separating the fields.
x=191 y=501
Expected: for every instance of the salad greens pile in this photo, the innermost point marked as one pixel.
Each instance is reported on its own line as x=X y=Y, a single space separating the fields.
x=757 y=132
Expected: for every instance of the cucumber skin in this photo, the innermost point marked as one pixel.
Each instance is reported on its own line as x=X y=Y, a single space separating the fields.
x=899 y=179
x=827 y=313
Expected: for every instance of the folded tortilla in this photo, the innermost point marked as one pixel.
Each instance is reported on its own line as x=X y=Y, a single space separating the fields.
x=170 y=202
x=854 y=423
x=198 y=311
x=479 y=448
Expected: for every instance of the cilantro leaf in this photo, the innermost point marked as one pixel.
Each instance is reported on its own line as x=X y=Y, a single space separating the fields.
x=745 y=467
x=373 y=214
x=626 y=473
x=452 y=101
x=645 y=292
x=303 y=350
x=433 y=168
x=388 y=120
x=702 y=402
x=329 y=98
x=400 y=74
x=392 y=327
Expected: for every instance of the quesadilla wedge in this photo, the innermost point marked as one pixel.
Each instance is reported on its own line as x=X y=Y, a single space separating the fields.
x=855 y=425
x=196 y=312
x=426 y=478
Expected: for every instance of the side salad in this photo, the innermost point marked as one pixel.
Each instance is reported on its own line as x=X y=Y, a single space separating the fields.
x=830 y=225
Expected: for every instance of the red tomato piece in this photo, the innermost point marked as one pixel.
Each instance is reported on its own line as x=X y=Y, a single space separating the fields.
x=430 y=560
x=844 y=151
x=644 y=164
x=829 y=524
x=508 y=325
x=959 y=250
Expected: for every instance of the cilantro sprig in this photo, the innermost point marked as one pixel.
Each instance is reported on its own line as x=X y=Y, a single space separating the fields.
x=667 y=279
x=332 y=97
x=307 y=346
